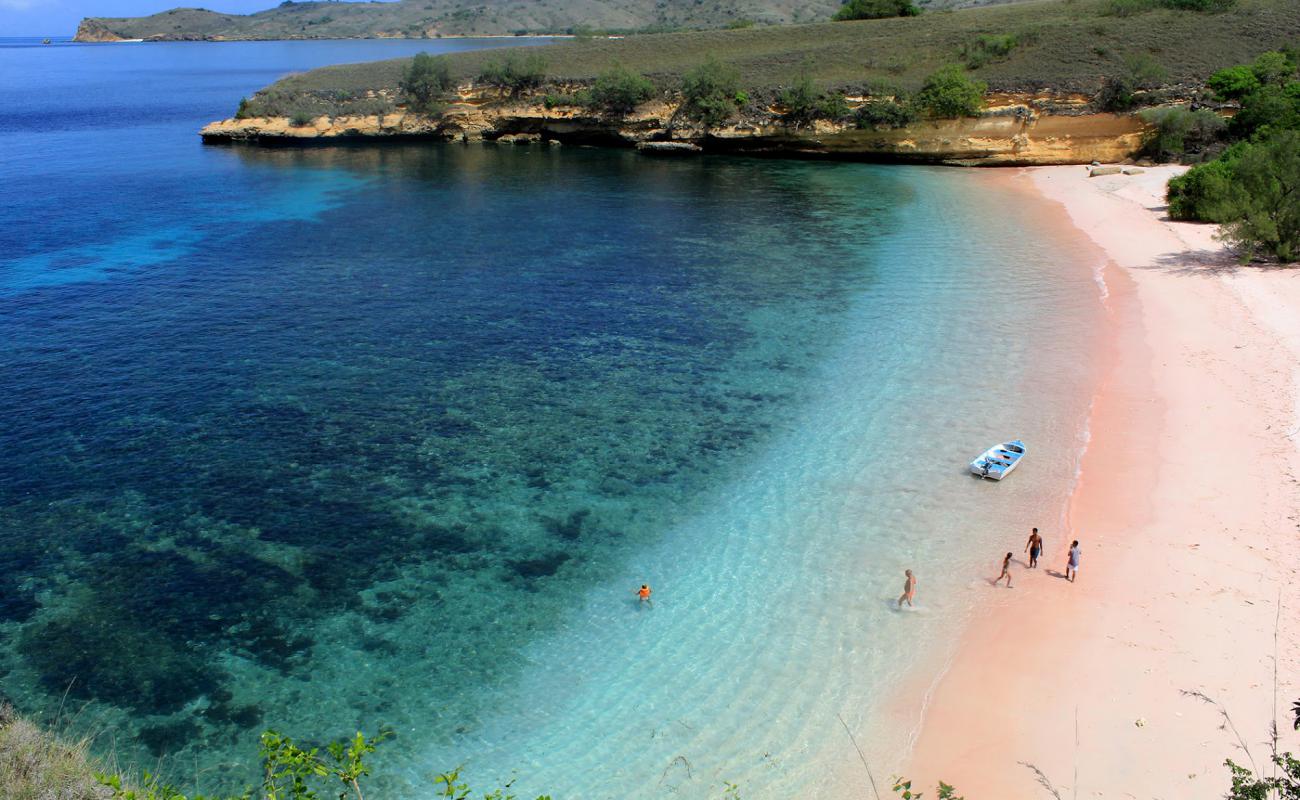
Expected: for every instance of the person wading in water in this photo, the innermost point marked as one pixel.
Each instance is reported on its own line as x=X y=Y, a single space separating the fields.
x=909 y=589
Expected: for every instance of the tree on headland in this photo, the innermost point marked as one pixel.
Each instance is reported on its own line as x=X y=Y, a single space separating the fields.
x=619 y=90
x=711 y=93
x=949 y=93
x=804 y=102
x=425 y=81
x=875 y=9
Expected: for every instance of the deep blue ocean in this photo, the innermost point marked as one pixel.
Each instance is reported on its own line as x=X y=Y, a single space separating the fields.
x=338 y=438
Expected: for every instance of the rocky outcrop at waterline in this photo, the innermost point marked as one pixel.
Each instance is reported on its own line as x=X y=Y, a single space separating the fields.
x=1015 y=130
x=92 y=30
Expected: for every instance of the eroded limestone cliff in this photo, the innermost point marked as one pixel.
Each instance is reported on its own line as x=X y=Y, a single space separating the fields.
x=1013 y=130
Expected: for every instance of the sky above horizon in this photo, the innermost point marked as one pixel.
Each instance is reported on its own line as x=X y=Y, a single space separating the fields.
x=60 y=17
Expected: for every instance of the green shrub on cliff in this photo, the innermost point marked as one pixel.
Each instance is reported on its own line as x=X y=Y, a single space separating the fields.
x=804 y=103
x=618 y=90
x=516 y=73
x=949 y=93
x=888 y=113
x=425 y=81
x=875 y=9
x=710 y=93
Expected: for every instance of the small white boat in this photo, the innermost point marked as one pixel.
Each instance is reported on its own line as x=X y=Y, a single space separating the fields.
x=998 y=461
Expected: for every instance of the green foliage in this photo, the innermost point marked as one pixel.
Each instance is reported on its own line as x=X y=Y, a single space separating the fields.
x=619 y=90
x=1268 y=108
x=875 y=9
x=949 y=93
x=1179 y=130
x=242 y=112
x=1199 y=193
x=451 y=787
x=1263 y=203
x=301 y=119
x=555 y=100
x=711 y=93
x=888 y=113
x=1141 y=71
x=805 y=103
x=1234 y=82
x=903 y=788
x=1274 y=67
x=425 y=80
x=740 y=23
x=151 y=788
x=517 y=73
x=1253 y=190
x=1284 y=786
x=986 y=48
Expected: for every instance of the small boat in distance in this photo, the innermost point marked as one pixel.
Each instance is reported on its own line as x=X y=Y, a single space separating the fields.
x=998 y=461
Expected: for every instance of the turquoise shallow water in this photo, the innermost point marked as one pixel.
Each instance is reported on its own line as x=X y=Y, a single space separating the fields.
x=352 y=437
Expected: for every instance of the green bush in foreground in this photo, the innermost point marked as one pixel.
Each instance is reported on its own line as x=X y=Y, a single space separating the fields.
x=711 y=93
x=1283 y=786
x=619 y=90
x=425 y=81
x=875 y=9
x=949 y=93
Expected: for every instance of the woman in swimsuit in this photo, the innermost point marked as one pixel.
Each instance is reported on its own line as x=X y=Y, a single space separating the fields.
x=909 y=589
x=1006 y=571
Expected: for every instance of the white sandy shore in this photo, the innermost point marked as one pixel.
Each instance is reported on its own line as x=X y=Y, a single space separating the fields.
x=1187 y=510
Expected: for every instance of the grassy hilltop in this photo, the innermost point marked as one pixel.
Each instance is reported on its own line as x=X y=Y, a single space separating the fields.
x=1062 y=45
x=431 y=18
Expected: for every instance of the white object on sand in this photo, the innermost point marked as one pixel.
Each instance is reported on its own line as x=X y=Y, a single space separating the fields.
x=998 y=461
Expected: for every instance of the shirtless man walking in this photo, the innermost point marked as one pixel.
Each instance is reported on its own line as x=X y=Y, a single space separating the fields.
x=1034 y=547
x=909 y=589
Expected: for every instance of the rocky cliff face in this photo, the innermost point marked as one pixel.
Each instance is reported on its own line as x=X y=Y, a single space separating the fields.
x=1016 y=130
x=92 y=30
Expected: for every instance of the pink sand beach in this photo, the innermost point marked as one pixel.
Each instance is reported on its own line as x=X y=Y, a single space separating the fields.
x=1186 y=511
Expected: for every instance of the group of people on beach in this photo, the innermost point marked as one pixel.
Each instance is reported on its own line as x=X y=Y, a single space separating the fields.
x=1034 y=547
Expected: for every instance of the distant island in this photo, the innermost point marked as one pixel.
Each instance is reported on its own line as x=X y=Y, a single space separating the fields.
x=431 y=19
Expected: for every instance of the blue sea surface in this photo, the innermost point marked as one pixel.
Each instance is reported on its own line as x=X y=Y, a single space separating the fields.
x=338 y=438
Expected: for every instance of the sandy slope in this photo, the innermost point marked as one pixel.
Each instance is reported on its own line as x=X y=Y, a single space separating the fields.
x=1187 y=511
